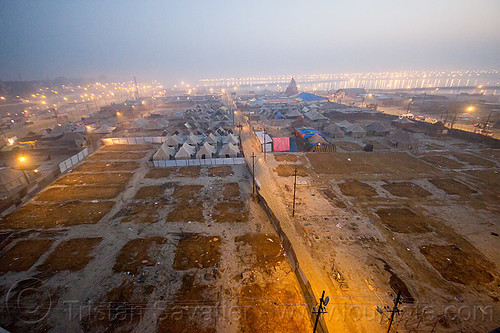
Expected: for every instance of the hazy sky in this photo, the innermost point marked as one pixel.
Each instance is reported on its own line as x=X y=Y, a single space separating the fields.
x=186 y=40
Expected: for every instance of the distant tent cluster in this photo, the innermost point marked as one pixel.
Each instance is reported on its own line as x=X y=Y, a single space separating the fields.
x=199 y=147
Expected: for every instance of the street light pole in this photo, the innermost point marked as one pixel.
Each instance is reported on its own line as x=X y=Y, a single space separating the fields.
x=294 y=187
x=19 y=160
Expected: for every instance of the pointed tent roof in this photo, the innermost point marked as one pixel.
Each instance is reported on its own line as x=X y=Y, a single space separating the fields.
x=292 y=88
x=315 y=115
x=344 y=124
x=140 y=123
x=332 y=128
x=404 y=120
x=213 y=139
x=8 y=175
x=317 y=139
x=194 y=140
x=81 y=129
x=402 y=137
x=154 y=125
x=229 y=149
x=355 y=128
x=104 y=129
x=164 y=153
x=293 y=114
x=232 y=139
x=174 y=140
x=378 y=127
x=206 y=150
x=184 y=153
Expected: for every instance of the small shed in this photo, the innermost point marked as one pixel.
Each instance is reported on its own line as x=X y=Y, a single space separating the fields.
x=378 y=129
x=334 y=131
x=404 y=140
x=356 y=131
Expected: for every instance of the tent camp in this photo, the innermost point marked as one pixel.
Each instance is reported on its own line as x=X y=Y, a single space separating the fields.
x=344 y=124
x=314 y=115
x=294 y=113
x=104 y=129
x=317 y=140
x=174 y=141
x=334 y=131
x=213 y=139
x=402 y=139
x=231 y=139
x=194 y=140
x=164 y=153
x=378 y=129
x=229 y=150
x=308 y=97
x=206 y=151
x=356 y=131
x=403 y=123
x=140 y=123
x=185 y=152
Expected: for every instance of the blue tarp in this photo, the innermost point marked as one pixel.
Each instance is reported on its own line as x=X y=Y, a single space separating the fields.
x=308 y=132
x=279 y=115
x=308 y=97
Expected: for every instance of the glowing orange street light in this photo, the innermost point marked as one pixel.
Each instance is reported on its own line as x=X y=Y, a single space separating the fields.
x=21 y=159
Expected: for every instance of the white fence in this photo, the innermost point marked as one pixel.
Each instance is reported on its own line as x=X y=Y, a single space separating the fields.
x=73 y=160
x=134 y=141
x=196 y=162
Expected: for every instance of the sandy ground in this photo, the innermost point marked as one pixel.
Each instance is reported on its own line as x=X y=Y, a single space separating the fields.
x=117 y=246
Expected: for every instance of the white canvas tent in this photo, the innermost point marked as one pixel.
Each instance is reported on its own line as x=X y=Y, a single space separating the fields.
x=229 y=150
x=206 y=151
x=164 y=153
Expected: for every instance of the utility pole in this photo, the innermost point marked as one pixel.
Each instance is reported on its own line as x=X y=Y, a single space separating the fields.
x=265 y=145
x=395 y=309
x=294 y=187
x=322 y=302
x=136 y=89
x=19 y=160
x=253 y=173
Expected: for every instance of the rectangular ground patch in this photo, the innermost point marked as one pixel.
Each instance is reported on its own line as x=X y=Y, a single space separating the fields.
x=197 y=251
x=230 y=212
x=334 y=198
x=288 y=170
x=51 y=215
x=231 y=191
x=95 y=178
x=114 y=155
x=456 y=265
x=452 y=186
x=474 y=160
x=137 y=253
x=185 y=211
x=160 y=173
x=442 y=162
x=24 y=254
x=150 y=192
x=403 y=220
x=71 y=255
x=220 y=171
x=107 y=166
x=265 y=248
x=180 y=315
x=398 y=164
x=406 y=189
x=354 y=188
x=80 y=193
x=126 y=147
x=140 y=212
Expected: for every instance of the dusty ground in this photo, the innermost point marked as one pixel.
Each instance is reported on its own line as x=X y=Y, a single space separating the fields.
x=173 y=250
x=425 y=224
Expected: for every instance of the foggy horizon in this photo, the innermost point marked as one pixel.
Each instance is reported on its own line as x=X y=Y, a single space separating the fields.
x=172 y=42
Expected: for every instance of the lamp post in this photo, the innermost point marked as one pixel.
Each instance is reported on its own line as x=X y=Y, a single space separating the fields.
x=21 y=159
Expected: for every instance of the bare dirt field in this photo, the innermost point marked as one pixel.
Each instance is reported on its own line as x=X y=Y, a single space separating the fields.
x=24 y=254
x=442 y=162
x=288 y=170
x=112 y=155
x=51 y=215
x=452 y=186
x=95 y=179
x=354 y=188
x=474 y=160
x=160 y=257
x=456 y=265
x=403 y=220
x=80 y=193
x=406 y=189
x=71 y=255
x=397 y=164
x=107 y=166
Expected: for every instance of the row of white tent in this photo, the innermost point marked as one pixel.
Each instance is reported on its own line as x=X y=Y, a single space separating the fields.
x=197 y=140
x=187 y=151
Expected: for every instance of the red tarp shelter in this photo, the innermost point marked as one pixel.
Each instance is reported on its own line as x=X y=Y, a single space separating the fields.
x=281 y=144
